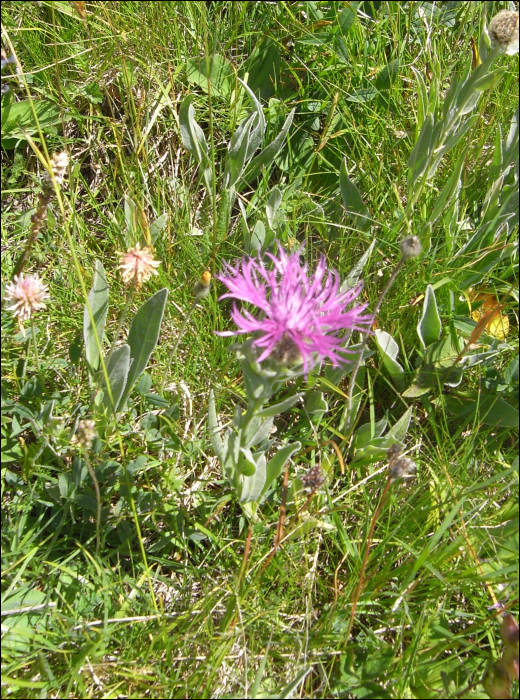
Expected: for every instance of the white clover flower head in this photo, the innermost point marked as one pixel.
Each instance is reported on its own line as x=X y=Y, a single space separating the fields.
x=137 y=265
x=410 y=247
x=26 y=294
x=503 y=32
x=59 y=164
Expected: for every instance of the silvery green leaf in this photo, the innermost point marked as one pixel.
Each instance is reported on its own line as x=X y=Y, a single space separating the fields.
x=352 y=200
x=450 y=190
x=143 y=337
x=253 y=484
x=389 y=350
x=238 y=150
x=368 y=431
x=422 y=95
x=399 y=430
x=273 y=204
x=248 y=464
x=258 y=431
x=268 y=154
x=257 y=241
x=117 y=368
x=355 y=273
x=193 y=138
x=277 y=463
x=418 y=160
x=315 y=404
x=257 y=106
x=157 y=226
x=429 y=326
x=98 y=302
x=453 y=140
x=279 y=407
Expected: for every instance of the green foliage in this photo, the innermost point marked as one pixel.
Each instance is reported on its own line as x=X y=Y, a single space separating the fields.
x=340 y=127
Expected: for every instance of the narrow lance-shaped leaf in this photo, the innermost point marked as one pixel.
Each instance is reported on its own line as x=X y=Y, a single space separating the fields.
x=277 y=463
x=352 y=200
x=143 y=337
x=429 y=326
x=98 y=301
x=389 y=350
x=269 y=152
x=422 y=150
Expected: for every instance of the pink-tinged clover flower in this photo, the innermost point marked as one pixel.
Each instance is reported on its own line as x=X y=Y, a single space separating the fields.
x=302 y=316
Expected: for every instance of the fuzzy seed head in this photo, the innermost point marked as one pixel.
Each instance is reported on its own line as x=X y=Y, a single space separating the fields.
x=410 y=247
x=402 y=468
x=503 y=32
x=26 y=294
x=314 y=478
x=137 y=265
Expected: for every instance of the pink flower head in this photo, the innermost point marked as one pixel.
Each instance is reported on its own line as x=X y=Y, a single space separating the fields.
x=302 y=316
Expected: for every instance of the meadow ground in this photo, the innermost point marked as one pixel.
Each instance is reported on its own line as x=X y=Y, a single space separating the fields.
x=131 y=566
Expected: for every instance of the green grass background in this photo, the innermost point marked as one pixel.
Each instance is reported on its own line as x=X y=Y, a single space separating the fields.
x=186 y=621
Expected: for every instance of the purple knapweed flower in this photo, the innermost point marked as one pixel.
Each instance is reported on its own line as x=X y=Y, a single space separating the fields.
x=303 y=315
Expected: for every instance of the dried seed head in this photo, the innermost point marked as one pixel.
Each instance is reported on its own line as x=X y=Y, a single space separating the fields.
x=85 y=433
x=58 y=166
x=401 y=468
x=410 y=247
x=137 y=265
x=503 y=32
x=27 y=294
x=202 y=288
x=314 y=478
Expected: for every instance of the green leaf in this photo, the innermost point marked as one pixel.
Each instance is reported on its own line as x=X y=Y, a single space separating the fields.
x=429 y=326
x=268 y=154
x=253 y=484
x=315 y=404
x=398 y=430
x=193 y=138
x=352 y=200
x=221 y=74
x=18 y=119
x=157 y=226
x=263 y=69
x=244 y=141
x=368 y=431
x=418 y=160
x=118 y=367
x=355 y=273
x=492 y=410
x=387 y=75
x=273 y=204
x=279 y=407
x=389 y=351
x=98 y=301
x=277 y=463
x=142 y=338
x=347 y=17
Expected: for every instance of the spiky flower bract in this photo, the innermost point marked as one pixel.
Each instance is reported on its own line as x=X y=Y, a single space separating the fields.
x=303 y=316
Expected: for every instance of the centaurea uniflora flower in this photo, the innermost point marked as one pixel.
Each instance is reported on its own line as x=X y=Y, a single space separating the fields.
x=503 y=32
x=302 y=317
x=26 y=294
x=137 y=265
